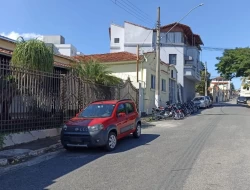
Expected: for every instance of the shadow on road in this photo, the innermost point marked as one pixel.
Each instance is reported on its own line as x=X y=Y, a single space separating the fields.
x=46 y=173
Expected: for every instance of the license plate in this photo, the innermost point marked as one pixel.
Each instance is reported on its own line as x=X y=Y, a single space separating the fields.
x=76 y=139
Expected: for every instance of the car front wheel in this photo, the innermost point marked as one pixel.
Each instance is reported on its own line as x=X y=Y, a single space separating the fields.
x=137 y=132
x=112 y=141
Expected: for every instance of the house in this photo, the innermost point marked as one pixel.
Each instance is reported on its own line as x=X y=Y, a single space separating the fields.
x=123 y=65
x=223 y=87
x=7 y=46
x=180 y=47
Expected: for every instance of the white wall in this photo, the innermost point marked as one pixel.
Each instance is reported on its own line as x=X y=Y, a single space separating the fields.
x=66 y=49
x=165 y=51
x=116 y=32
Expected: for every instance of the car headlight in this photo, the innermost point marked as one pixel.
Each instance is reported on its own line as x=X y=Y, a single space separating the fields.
x=64 y=127
x=96 y=127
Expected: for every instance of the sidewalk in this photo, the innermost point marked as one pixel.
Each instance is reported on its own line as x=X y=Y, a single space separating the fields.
x=20 y=153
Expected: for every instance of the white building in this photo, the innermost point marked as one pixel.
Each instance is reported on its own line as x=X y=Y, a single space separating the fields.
x=225 y=87
x=244 y=89
x=59 y=46
x=181 y=49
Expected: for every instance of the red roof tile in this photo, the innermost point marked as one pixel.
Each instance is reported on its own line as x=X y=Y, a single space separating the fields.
x=5 y=51
x=108 y=57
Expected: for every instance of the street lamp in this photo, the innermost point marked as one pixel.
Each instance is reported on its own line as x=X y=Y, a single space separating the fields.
x=185 y=16
x=158 y=45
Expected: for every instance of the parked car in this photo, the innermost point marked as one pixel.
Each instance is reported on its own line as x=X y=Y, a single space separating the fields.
x=210 y=102
x=241 y=100
x=201 y=101
x=102 y=123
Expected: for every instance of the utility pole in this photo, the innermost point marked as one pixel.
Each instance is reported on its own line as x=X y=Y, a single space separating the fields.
x=158 y=64
x=137 y=64
x=205 y=78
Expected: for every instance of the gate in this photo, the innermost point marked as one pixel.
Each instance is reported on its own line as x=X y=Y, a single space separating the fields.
x=128 y=91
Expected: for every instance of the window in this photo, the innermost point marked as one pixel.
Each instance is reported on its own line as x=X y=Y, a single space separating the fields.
x=172 y=59
x=117 y=40
x=163 y=85
x=174 y=37
x=130 y=108
x=97 y=110
x=172 y=74
x=121 y=109
x=152 y=81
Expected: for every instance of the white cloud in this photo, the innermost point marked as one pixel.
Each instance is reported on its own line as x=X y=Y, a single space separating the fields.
x=14 y=35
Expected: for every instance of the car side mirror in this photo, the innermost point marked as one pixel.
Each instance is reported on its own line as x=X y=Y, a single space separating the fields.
x=122 y=114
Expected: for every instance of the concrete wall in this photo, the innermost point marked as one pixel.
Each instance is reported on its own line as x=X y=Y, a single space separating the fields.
x=66 y=49
x=7 y=44
x=189 y=90
x=19 y=138
x=116 y=32
x=56 y=39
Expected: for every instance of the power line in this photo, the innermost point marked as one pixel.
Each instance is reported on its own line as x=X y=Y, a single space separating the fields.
x=131 y=13
x=139 y=10
x=134 y=7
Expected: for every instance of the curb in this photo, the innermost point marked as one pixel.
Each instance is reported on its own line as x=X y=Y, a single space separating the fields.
x=33 y=153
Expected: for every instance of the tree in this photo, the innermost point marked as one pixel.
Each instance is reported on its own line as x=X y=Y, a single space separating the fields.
x=200 y=87
x=232 y=86
x=234 y=63
x=32 y=54
x=95 y=72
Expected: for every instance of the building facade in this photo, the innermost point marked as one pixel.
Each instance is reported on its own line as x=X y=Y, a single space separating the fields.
x=180 y=47
x=123 y=65
x=223 y=89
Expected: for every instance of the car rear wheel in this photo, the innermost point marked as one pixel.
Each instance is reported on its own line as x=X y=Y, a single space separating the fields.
x=112 y=141
x=137 y=132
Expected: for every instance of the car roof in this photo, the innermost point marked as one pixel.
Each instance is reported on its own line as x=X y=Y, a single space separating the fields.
x=111 y=101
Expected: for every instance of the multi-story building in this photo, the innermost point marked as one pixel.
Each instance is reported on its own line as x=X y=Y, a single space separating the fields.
x=57 y=42
x=180 y=47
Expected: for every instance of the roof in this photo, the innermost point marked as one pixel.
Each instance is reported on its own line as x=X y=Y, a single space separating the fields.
x=7 y=39
x=6 y=52
x=138 y=25
x=108 y=57
x=9 y=53
x=187 y=30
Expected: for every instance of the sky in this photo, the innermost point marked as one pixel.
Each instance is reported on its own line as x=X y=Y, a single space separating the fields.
x=85 y=23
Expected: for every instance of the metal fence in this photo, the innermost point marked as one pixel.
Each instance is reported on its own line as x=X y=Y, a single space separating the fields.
x=35 y=100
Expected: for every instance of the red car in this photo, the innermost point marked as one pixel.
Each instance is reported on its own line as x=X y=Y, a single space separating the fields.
x=102 y=123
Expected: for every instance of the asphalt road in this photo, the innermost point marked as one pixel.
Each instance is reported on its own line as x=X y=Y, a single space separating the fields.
x=206 y=151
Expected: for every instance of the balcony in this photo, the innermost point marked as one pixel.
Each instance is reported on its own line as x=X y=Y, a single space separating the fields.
x=192 y=73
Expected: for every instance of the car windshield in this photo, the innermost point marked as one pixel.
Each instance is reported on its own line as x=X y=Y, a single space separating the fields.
x=97 y=110
x=198 y=98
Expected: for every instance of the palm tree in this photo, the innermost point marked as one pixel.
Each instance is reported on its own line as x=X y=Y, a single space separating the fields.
x=95 y=72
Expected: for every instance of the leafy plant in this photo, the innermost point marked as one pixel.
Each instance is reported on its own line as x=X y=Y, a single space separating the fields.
x=234 y=63
x=95 y=72
x=32 y=54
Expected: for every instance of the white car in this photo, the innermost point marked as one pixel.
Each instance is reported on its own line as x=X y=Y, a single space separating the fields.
x=201 y=101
